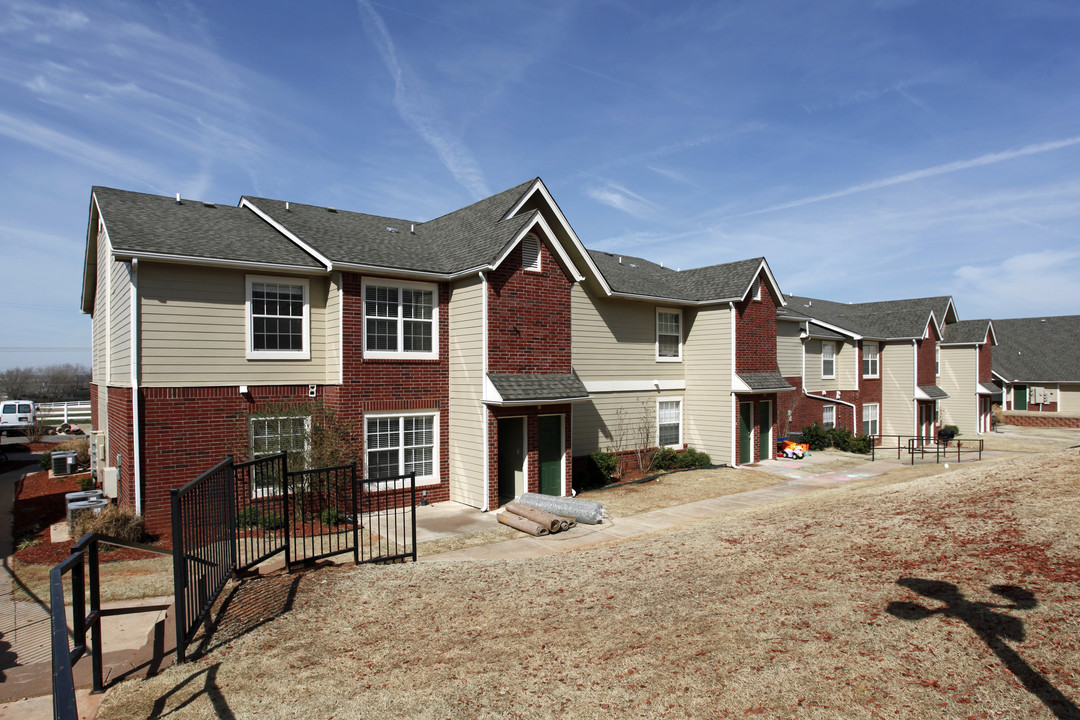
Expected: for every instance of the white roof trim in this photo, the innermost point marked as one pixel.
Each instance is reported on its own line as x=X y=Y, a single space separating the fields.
x=739 y=386
x=216 y=262
x=556 y=245
x=245 y=203
x=772 y=281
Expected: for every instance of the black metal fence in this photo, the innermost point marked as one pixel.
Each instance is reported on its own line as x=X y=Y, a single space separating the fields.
x=82 y=562
x=945 y=451
x=261 y=510
x=385 y=519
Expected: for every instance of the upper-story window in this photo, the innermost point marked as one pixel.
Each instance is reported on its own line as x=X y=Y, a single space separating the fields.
x=937 y=360
x=278 y=313
x=401 y=320
x=828 y=359
x=668 y=335
x=870 y=359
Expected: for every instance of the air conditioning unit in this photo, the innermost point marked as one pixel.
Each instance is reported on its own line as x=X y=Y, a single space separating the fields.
x=110 y=481
x=63 y=463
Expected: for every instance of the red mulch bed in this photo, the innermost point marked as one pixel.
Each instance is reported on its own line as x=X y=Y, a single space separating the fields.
x=40 y=502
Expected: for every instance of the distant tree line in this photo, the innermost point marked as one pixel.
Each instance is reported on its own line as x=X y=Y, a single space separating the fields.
x=51 y=383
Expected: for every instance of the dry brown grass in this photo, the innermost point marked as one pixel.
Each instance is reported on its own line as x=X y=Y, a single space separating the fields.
x=122 y=580
x=779 y=611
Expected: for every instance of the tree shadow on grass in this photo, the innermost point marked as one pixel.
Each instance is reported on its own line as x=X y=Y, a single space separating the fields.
x=209 y=688
x=250 y=603
x=992 y=627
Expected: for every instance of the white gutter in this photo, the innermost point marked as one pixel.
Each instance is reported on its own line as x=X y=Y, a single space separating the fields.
x=216 y=262
x=915 y=381
x=483 y=380
x=136 y=433
x=825 y=398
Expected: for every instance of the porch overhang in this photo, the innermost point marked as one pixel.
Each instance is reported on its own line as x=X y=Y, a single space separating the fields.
x=930 y=392
x=988 y=389
x=505 y=389
x=756 y=383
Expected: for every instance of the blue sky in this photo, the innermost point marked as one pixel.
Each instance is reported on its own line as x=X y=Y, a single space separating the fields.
x=870 y=150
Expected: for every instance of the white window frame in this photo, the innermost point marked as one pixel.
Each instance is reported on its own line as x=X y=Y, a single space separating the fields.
x=678 y=313
x=434 y=477
x=249 y=327
x=828 y=410
x=874 y=359
x=257 y=492
x=831 y=344
x=679 y=405
x=937 y=360
x=399 y=354
x=873 y=409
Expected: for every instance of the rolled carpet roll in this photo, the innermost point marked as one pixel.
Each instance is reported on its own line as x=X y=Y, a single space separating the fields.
x=543 y=517
x=566 y=522
x=523 y=524
x=584 y=511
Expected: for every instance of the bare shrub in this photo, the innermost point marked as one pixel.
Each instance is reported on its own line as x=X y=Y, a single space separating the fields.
x=80 y=446
x=115 y=521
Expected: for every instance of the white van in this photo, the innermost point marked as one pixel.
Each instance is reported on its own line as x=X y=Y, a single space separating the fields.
x=16 y=415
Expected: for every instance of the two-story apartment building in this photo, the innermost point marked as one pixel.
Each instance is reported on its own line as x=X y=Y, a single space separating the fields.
x=483 y=349
x=1038 y=363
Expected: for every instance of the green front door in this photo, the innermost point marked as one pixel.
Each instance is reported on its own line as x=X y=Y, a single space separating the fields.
x=551 y=454
x=511 y=451
x=746 y=433
x=1019 y=397
x=765 y=431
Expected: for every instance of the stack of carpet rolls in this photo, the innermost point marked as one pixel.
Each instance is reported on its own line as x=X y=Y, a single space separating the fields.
x=560 y=514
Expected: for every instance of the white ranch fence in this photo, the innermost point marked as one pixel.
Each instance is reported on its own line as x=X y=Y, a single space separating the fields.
x=65 y=412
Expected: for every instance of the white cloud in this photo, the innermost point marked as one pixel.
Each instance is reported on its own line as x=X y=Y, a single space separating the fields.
x=1018 y=286
x=618 y=197
x=417 y=109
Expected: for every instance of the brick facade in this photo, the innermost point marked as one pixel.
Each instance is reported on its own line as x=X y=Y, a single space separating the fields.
x=986 y=362
x=926 y=354
x=1023 y=419
x=531 y=415
x=529 y=316
x=755 y=330
x=94 y=407
x=120 y=443
x=759 y=401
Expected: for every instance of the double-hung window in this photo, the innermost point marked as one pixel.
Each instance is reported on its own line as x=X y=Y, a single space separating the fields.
x=278 y=319
x=400 y=320
x=401 y=444
x=271 y=435
x=869 y=359
x=828 y=359
x=668 y=335
x=828 y=416
x=870 y=419
x=669 y=423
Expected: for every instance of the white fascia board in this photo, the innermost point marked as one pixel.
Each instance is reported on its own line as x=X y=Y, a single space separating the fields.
x=763 y=265
x=991 y=334
x=610 y=386
x=124 y=255
x=564 y=259
x=245 y=203
x=90 y=259
x=836 y=328
x=534 y=402
x=738 y=386
x=384 y=271
x=538 y=186
x=950 y=306
x=998 y=375
x=491 y=396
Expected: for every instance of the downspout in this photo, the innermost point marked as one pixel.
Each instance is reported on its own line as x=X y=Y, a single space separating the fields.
x=825 y=398
x=136 y=429
x=734 y=401
x=483 y=384
x=915 y=377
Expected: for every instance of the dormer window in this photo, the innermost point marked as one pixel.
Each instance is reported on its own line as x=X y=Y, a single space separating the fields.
x=530 y=253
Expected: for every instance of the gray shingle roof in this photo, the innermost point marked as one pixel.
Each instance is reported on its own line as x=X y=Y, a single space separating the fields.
x=1038 y=349
x=765 y=382
x=139 y=223
x=817 y=331
x=988 y=388
x=470 y=237
x=638 y=276
x=966 y=332
x=934 y=392
x=878 y=320
x=538 y=388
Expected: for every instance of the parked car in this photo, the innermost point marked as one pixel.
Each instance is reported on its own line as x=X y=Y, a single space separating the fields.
x=17 y=415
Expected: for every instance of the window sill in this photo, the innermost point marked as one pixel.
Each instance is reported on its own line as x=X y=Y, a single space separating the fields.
x=278 y=354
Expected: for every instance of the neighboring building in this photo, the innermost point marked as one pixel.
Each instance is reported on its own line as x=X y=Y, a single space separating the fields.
x=879 y=368
x=1037 y=362
x=484 y=349
x=967 y=353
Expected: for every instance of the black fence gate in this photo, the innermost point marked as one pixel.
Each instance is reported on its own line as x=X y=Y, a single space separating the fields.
x=237 y=515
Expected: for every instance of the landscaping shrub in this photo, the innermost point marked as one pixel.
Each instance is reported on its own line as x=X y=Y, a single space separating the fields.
x=819 y=438
x=665 y=459
x=955 y=430
x=691 y=458
x=80 y=446
x=816 y=437
x=86 y=483
x=118 y=522
x=46 y=460
x=606 y=463
x=332 y=516
x=249 y=517
x=271 y=521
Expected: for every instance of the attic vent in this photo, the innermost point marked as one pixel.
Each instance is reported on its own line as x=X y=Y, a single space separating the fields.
x=633 y=265
x=392 y=229
x=530 y=253
x=209 y=205
x=333 y=210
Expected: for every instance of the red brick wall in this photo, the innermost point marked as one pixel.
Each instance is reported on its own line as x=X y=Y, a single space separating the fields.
x=755 y=331
x=870 y=388
x=529 y=316
x=926 y=366
x=986 y=363
x=393 y=385
x=531 y=415
x=120 y=442
x=94 y=407
x=758 y=401
x=1024 y=420
x=807 y=410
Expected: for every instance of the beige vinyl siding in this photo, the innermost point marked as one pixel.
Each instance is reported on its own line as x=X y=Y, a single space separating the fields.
x=616 y=339
x=789 y=348
x=194 y=331
x=1069 y=399
x=334 y=304
x=959 y=374
x=100 y=324
x=617 y=420
x=897 y=388
x=707 y=416
x=119 y=321
x=844 y=370
x=466 y=368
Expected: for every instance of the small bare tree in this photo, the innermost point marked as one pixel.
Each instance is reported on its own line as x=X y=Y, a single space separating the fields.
x=644 y=430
